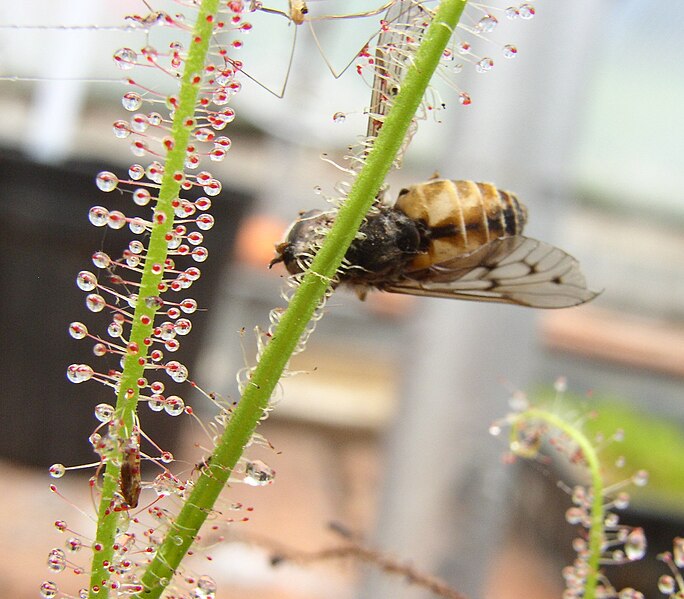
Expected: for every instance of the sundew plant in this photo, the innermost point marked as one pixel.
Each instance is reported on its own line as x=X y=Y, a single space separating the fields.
x=145 y=528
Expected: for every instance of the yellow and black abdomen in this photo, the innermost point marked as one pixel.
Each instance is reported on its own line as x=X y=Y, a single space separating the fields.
x=457 y=217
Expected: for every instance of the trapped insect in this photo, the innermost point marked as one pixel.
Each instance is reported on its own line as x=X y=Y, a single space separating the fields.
x=451 y=239
x=130 y=485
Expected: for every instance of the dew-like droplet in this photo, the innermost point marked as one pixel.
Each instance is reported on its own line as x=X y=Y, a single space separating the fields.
x=182 y=326
x=640 y=478
x=224 y=142
x=195 y=238
x=121 y=129
x=611 y=520
x=495 y=430
x=139 y=123
x=174 y=405
x=78 y=330
x=131 y=101
x=200 y=254
x=526 y=11
x=137 y=226
x=212 y=188
x=666 y=584
x=165 y=331
x=464 y=99
x=574 y=515
x=172 y=345
x=155 y=171
x=204 y=134
x=154 y=302
x=621 y=501
x=101 y=260
x=57 y=470
x=61 y=525
x=635 y=545
x=487 y=24
x=188 y=305
x=177 y=371
x=510 y=51
x=79 y=373
x=217 y=154
x=138 y=148
x=205 y=222
x=155 y=119
x=48 y=589
x=258 y=474
x=484 y=65
x=205 y=589
x=74 y=544
x=339 y=117
x=579 y=495
x=678 y=552
x=136 y=172
x=630 y=593
x=56 y=561
x=512 y=12
x=125 y=58
x=95 y=302
x=86 y=280
x=156 y=403
x=106 y=181
x=98 y=215
x=104 y=412
x=114 y=329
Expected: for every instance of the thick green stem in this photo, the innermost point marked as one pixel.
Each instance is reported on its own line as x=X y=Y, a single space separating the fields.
x=307 y=298
x=594 y=467
x=109 y=521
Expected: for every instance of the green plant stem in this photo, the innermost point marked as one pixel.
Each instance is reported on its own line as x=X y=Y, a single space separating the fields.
x=307 y=298
x=594 y=467
x=110 y=521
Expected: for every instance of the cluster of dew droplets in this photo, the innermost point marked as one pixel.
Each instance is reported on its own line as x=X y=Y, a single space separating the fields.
x=475 y=40
x=113 y=285
x=620 y=544
x=672 y=585
x=384 y=66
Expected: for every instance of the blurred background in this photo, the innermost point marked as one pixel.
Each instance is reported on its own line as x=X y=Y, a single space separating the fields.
x=386 y=429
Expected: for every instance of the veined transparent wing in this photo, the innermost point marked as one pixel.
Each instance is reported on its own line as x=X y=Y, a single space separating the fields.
x=513 y=270
x=401 y=32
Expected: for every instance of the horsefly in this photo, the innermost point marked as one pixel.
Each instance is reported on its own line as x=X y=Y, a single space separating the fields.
x=442 y=238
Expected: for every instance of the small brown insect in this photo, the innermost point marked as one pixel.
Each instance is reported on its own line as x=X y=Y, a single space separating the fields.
x=130 y=472
x=451 y=239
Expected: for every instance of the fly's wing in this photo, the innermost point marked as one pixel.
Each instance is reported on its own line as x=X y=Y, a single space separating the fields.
x=392 y=57
x=513 y=270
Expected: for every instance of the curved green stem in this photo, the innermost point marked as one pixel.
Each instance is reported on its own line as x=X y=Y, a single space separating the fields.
x=308 y=296
x=594 y=467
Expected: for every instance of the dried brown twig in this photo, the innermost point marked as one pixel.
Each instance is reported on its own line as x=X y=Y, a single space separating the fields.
x=354 y=548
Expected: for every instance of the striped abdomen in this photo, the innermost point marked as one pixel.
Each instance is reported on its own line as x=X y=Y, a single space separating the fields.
x=457 y=217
